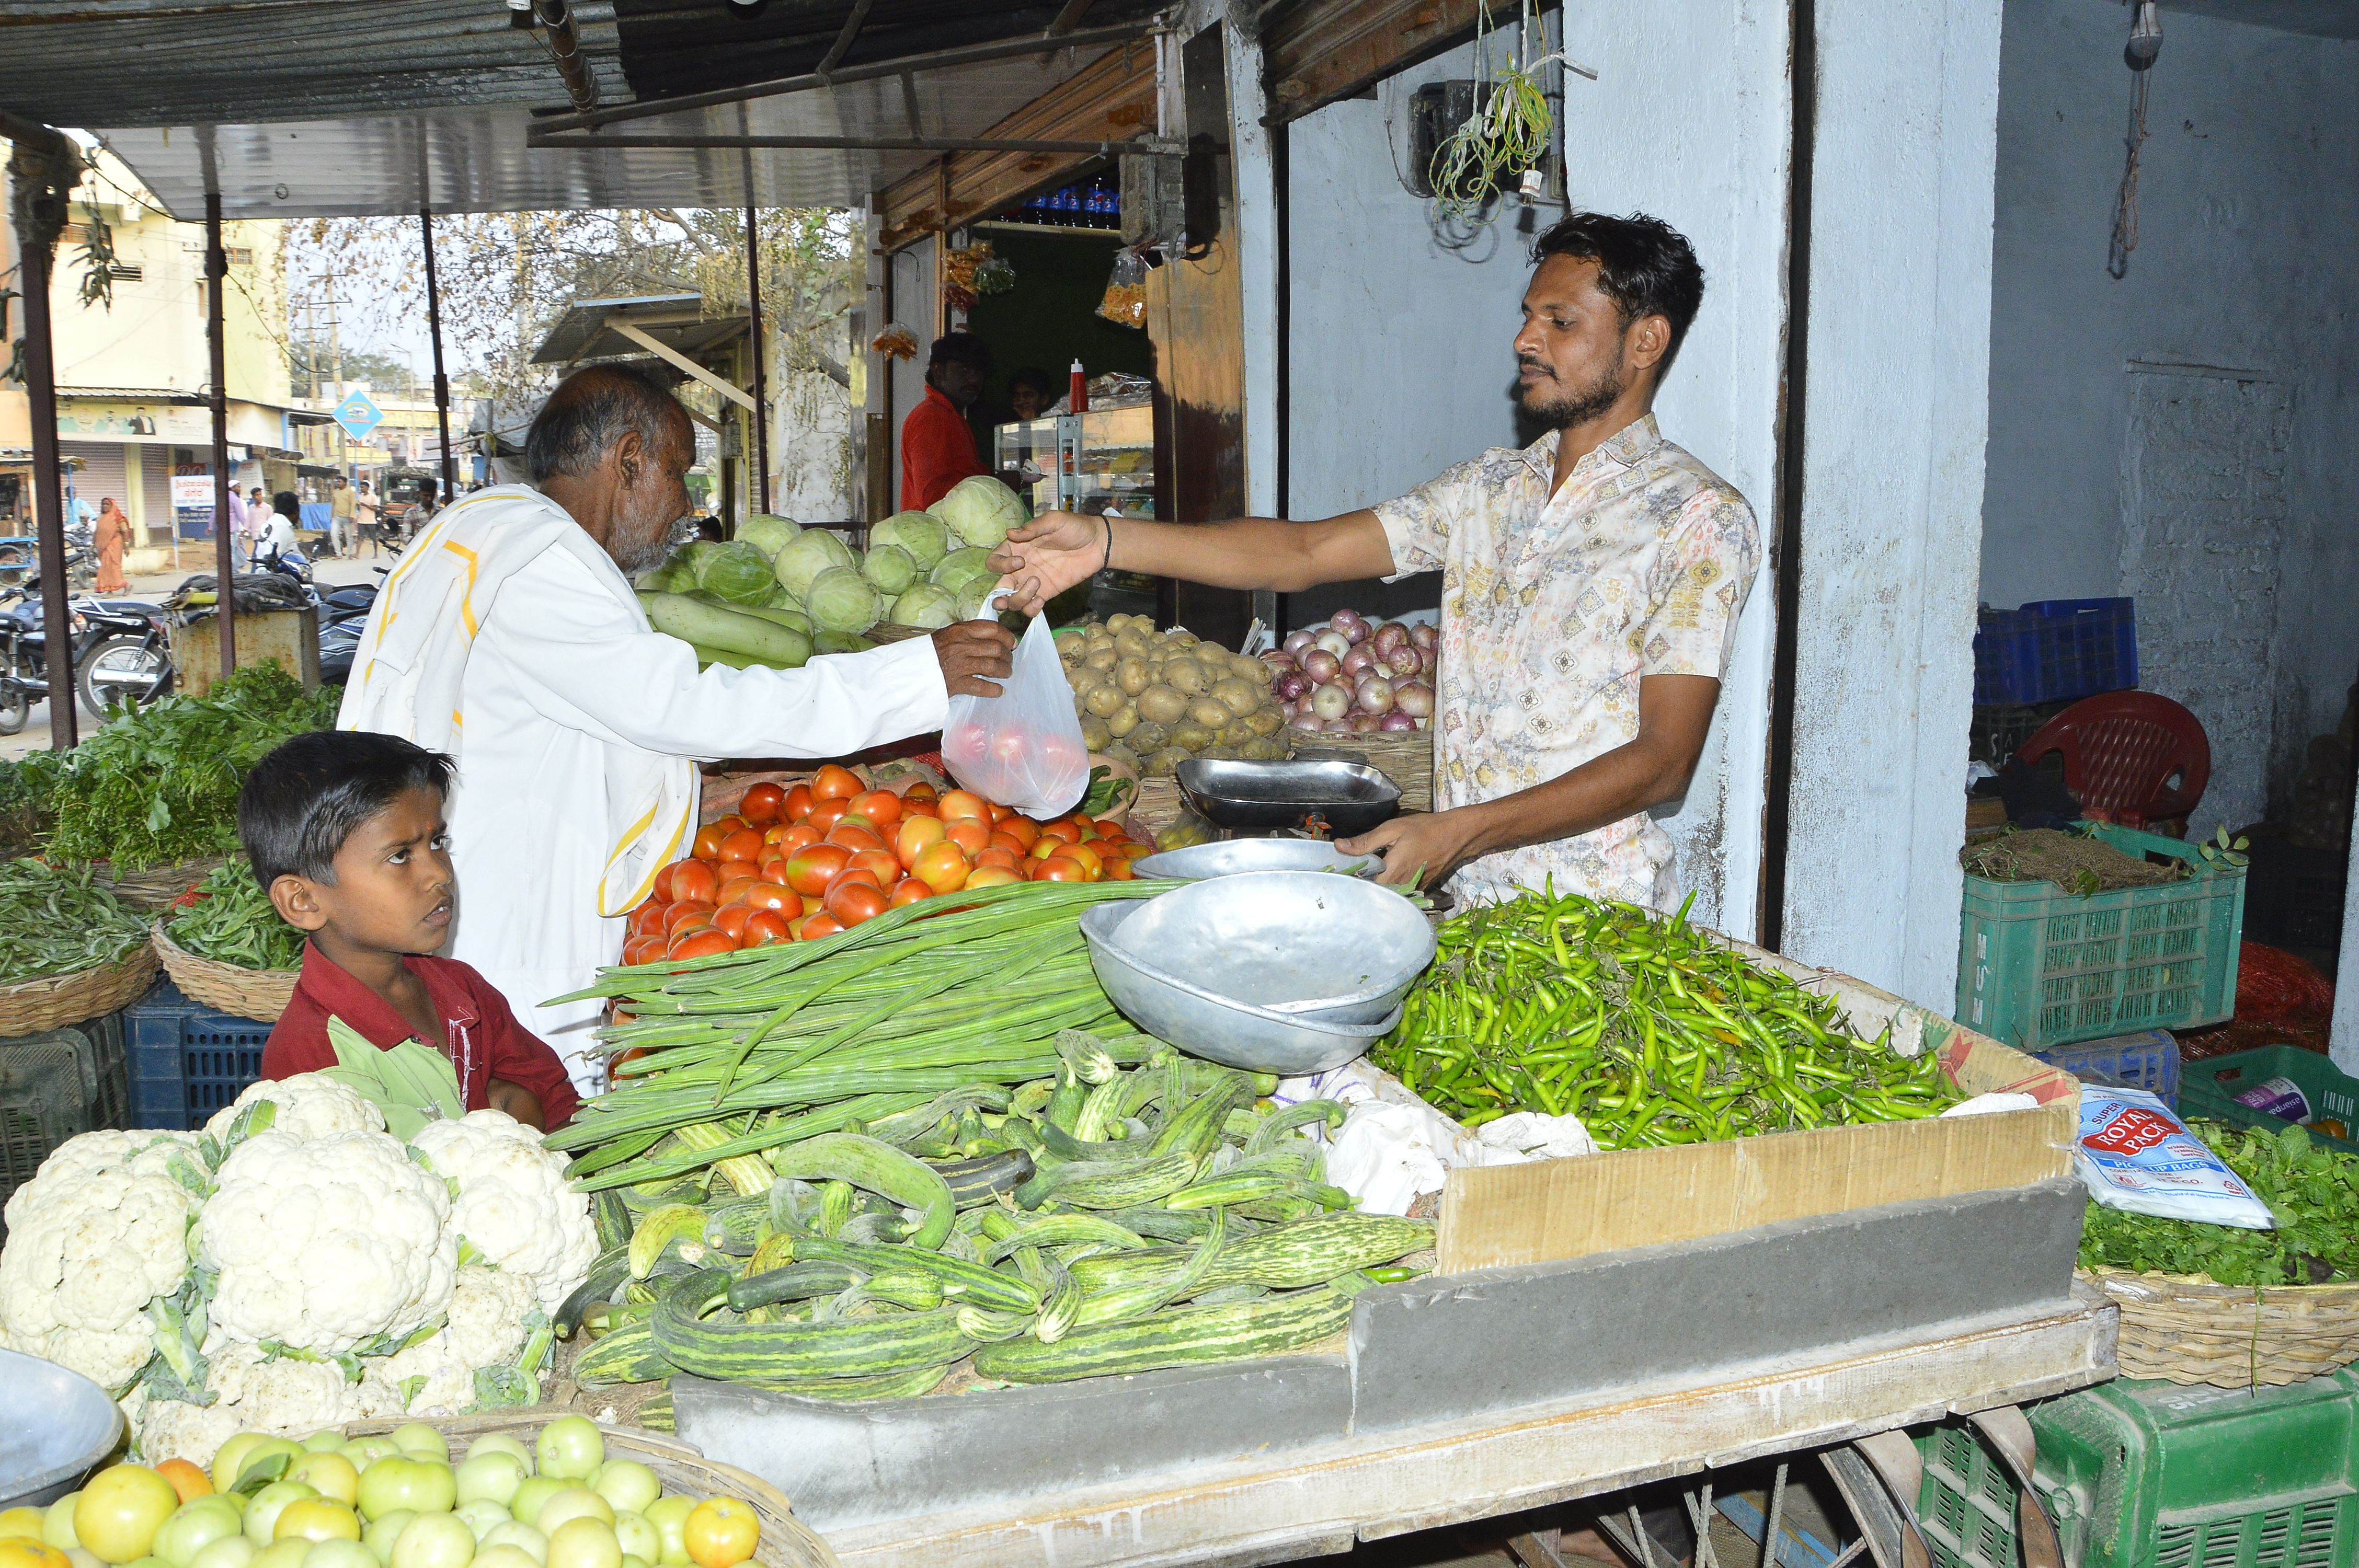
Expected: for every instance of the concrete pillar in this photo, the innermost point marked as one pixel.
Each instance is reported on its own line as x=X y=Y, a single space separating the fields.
x=2345 y=1038
x=1891 y=516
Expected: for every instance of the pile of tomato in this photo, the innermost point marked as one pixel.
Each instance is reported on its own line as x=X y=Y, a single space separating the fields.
x=793 y=864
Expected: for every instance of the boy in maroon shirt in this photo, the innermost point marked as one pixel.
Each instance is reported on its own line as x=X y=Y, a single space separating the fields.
x=344 y=831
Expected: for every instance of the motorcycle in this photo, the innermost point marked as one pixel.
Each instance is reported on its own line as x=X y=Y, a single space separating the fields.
x=343 y=611
x=120 y=648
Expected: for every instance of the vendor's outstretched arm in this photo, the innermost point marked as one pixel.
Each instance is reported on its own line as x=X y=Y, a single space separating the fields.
x=1058 y=549
x=1674 y=712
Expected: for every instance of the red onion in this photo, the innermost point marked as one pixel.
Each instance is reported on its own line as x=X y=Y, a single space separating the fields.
x=1425 y=636
x=1388 y=636
x=1309 y=722
x=1405 y=660
x=1277 y=660
x=1331 y=702
x=1359 y=661
x=1343 y=620
x=1357 y=630
x=1362 y=724
x=1429 y=662
x=1414 y=699
x=1374 y=695
x=1333 y=641
x=1323 y=666
x=1298 y=640
x=1291 y=685
x=1396 y=722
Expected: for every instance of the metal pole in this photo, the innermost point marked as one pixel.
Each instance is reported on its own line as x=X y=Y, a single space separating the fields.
x=761 y=395
x=48 y=504
x=442 y=382
x=225 y=561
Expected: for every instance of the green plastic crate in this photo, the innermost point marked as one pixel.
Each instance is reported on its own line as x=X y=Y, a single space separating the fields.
x=2039 y=967
x=2211 y=1088
x=2154 y=1475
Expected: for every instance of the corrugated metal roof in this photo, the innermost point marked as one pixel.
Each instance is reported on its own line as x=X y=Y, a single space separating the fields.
x=475 y=160
x=676 y=320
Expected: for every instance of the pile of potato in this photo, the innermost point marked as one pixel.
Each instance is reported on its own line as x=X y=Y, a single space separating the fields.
x=1153 y=699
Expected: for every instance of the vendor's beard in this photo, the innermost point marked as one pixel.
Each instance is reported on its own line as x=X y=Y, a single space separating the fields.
x=1559 y=408
x=643 y=552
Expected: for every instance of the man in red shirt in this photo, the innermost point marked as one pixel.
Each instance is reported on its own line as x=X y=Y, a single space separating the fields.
x=345 y=830
x=936 y=443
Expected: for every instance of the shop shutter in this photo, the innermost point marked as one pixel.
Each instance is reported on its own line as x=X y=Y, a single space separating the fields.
x=102 y=472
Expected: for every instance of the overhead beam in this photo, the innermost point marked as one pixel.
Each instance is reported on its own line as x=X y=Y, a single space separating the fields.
x=1068 y=19
x=1106 y=149
x=622 y=327
x=777 y=87
x=835 y=51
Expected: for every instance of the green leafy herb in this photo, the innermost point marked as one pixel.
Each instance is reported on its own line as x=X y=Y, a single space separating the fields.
x=161 y=785
x=54 y=920
x=232 y=921
x=2313 y=1191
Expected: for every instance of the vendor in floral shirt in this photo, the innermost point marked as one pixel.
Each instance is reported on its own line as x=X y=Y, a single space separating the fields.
x=1590 y=591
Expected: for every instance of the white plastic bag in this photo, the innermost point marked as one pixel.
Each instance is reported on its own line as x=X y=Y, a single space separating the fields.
x=1022 y=748
x=2133 y=1155
x=1393 y=1148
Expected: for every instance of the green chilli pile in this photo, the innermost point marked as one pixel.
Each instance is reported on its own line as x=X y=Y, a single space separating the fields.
x=1647 y=1029
x=55 y=921
x=849 y=1168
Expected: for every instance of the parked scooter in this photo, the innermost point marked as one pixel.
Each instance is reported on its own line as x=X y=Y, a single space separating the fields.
x=120 y=655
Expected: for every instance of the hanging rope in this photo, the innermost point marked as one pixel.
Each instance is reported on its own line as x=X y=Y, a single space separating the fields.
x=2125 y=217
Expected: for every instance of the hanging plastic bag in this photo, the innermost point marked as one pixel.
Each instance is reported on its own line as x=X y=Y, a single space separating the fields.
x=2133 y=1155
x=1125 y=291
x=1022 y=748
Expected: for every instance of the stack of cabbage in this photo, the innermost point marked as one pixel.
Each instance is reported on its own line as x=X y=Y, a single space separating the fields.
x=1153 y=699
x=780 y=592
x=294 y=1266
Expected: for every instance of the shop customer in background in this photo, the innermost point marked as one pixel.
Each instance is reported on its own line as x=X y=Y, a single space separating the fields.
x=109 y=537
x=1590 y=590
x=509 y=638
x=936 y=443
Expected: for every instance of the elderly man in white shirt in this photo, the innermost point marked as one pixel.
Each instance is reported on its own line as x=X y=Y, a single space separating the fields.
x=510 y=636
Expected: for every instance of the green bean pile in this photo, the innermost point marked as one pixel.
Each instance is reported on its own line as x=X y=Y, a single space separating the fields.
x=232 y=922
x=55 y=921
x=1647 y=1030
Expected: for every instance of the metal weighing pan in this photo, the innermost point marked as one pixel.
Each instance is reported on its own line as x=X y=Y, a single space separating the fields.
x=65 y=1424
x=1328 y=948
x=1228 y=859
x=1330 y=797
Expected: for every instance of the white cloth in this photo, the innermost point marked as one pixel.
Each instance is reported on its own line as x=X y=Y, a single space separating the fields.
x=507 y=637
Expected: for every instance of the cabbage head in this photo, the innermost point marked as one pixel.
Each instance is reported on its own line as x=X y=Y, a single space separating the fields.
x=980 y=510
x=974 y=599
x=925 y=607
x=768 y=533
x=920 y=532
x=842 y=601
x=779 y=598
x=960 y=568
x=890 y=569
x=737 y=572
x=807 y=555
x=672 y=575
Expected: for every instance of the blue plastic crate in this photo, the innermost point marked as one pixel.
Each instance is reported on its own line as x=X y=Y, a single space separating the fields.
x=187 y=1061
x=2056 y=648
x=2147 y=1060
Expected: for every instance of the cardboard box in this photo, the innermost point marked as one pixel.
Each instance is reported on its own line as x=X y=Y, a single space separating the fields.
x=1552 y=1210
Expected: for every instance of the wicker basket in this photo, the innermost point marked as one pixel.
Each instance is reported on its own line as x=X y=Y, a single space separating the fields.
x=2187 y=1329
x=787 y=1541
x=1403 y=757
x=258 y=994
x=156 y=887
x=61 y=1000
x=1156 y=806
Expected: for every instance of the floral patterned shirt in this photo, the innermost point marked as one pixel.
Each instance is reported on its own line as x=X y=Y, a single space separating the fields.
x=1552 y=609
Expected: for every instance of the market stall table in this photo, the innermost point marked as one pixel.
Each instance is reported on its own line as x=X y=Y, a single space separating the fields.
x=1277 y=1506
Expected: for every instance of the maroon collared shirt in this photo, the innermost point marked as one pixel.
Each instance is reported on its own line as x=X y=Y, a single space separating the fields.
x=482 y=1036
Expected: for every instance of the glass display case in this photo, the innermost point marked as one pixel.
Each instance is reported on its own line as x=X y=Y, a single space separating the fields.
x=1100 y=460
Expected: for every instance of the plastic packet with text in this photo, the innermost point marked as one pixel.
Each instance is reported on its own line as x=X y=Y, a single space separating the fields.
x=2133 y=1155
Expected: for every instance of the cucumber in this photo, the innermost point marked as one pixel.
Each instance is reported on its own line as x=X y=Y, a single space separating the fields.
x=971 y=1283
x=606 y=1275
x=831 y=1348
x=795 y=1282
x=975 y=1182
x=737 y=1227
x=627 y=1356
x=878 y=1167
x=1109 y=1184
x=1306 y=1252
x=613 y=1219
x=880 y=1385
x=1181 y=1336
x=711 y=627
x=1062 y=1229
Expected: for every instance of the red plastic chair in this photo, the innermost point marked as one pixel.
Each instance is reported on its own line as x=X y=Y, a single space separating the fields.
x=2130 y=757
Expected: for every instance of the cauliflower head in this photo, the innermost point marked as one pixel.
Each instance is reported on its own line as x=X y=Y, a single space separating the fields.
x=252 y=1393
x=97 y=1234
x=310 y=1105
x=326 y=1244
x=486 y=1329
x=514 y=1206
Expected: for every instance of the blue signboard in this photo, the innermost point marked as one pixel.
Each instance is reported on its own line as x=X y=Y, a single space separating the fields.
x=358 y=415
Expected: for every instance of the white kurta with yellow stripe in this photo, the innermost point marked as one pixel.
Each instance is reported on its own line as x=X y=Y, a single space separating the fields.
x=508 y=638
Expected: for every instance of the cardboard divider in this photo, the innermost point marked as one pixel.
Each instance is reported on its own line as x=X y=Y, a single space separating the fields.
x=1554 y=1210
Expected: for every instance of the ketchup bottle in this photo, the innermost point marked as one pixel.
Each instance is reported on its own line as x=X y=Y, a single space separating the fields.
x=1077 y=395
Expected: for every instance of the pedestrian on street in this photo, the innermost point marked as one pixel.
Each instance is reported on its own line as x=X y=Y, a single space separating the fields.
x=110 y=536
x=340 y=517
